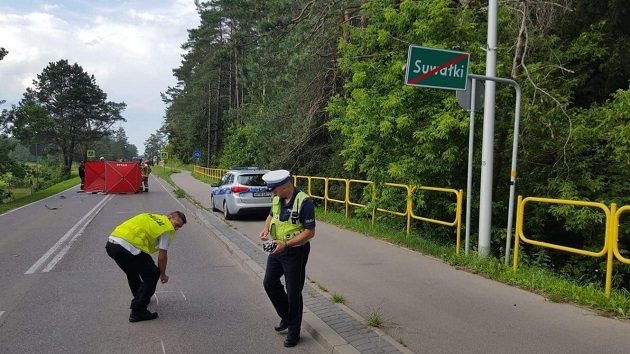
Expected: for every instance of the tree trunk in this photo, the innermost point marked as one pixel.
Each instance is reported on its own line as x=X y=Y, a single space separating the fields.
x=521 y=42
x=236 y=92
x=209 y=123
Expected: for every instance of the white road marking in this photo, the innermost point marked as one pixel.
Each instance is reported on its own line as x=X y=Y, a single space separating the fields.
x=163 y=350
x=184 y=296
x=63 y=239
x=157 y=301
x=1 y=313
x=66 y=248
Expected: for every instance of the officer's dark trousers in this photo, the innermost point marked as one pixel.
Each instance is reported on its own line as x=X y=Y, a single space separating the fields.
x=292 y=264
x=142 y=274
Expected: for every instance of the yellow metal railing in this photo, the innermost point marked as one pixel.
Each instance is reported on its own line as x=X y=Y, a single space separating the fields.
x=407 y=212
x=611 y=234
x=459 y=194
x=351 y=203
x=614 y=229
x=345 y=191
x=214 y=173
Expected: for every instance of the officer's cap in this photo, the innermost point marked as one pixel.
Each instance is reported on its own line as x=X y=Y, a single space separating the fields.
x=275 y=179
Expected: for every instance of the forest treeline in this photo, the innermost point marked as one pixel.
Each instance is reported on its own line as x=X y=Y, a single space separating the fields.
x=317 y=87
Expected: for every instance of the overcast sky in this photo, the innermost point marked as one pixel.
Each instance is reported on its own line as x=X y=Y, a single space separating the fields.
x=131 y=48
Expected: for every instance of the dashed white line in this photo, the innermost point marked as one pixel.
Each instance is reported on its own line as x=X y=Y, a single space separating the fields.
x=1 y=313
x=163 y=350
x=184 y=296
x=157 y=301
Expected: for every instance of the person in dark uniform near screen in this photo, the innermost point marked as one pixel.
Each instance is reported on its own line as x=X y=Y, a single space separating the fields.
x=290 y=224
x=82 y=174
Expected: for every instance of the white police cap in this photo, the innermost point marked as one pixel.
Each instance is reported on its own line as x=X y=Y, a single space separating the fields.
x=276 y=178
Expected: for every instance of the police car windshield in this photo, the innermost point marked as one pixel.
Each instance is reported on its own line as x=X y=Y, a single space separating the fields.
x=251 y=180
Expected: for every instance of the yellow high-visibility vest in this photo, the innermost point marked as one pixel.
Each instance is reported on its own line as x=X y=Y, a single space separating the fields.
x=285 y=230
x=144 y=230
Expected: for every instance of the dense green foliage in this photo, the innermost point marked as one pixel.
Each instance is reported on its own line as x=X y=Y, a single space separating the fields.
x=317 y=87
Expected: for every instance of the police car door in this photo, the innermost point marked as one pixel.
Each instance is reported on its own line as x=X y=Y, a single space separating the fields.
x=220 y=191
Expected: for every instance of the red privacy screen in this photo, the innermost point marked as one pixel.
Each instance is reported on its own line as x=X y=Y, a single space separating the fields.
x=112 y=177
x=94 y=176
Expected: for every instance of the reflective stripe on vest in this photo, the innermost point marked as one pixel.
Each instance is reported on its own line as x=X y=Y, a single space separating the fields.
x=144 y=230
x=285 y=230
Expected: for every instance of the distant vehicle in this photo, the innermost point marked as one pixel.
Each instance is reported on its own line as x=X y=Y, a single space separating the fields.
x=241 y=191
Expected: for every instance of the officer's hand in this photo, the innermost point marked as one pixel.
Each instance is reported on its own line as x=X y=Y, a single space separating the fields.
x=164 y=278
x=280 y=247
x=263 y=234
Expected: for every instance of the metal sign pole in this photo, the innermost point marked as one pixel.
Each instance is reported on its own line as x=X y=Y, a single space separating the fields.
x=471 y=139
x=517 y=120
x=487 y=148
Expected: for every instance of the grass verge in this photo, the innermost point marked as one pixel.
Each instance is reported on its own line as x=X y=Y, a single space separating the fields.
x=54 y=189
x=165 y=174
x=338 y=298
x=537 y=280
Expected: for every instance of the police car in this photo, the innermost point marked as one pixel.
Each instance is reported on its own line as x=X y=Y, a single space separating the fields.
x=241 y=191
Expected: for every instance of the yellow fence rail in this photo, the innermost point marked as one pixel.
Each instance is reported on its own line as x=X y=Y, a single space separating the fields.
x=610 y=237
x=213 y=173
x=614 y=229
x=407 y=213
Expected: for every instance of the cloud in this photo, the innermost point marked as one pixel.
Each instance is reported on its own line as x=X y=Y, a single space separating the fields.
x=129 y=47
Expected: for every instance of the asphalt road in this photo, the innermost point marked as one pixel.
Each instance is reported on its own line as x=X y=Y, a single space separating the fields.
x=61 y=293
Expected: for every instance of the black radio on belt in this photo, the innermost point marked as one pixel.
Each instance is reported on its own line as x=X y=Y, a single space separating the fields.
x=294 y=217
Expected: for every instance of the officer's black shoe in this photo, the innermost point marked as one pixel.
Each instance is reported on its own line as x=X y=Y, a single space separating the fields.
x=291 y=341
x=146 y=315
x=281 y=326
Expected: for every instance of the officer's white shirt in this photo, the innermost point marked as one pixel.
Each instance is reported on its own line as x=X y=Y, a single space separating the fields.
x=162 y=243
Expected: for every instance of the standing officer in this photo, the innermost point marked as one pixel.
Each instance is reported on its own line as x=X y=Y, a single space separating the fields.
x=146 y=170
x=131 y=245
x=82 y=173
x=291 y=224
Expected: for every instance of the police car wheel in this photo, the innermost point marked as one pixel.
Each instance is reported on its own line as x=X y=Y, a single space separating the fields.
x=226 y=212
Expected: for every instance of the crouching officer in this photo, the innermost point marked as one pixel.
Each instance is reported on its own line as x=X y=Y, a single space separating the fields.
x=131 y=245
x=291 y=224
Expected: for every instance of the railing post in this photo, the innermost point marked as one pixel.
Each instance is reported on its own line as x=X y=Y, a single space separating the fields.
x=409 y=207
x=326 y=195
x=347 y=200
x=458 y=211
x=611 y=239
x=519 y=227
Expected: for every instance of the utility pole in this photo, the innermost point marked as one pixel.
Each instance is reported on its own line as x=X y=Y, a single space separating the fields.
x=487 y=148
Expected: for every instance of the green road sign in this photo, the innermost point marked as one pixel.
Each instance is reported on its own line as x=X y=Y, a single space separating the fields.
x=164 y=155
x=91 y=153
x=437 y=68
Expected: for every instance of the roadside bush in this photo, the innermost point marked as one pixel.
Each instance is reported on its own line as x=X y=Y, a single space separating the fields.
x=4 y=187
